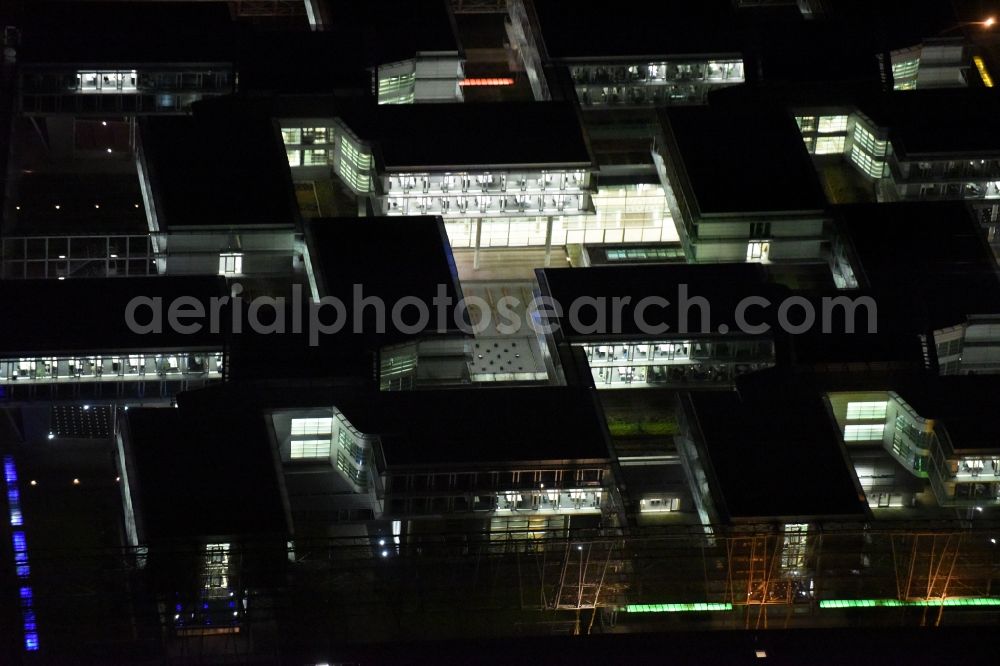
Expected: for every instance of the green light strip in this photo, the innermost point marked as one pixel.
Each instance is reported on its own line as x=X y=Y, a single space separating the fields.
x=677 y=608
x=896 y=603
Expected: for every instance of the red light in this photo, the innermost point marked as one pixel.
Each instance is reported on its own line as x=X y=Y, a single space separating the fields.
x=501 y=81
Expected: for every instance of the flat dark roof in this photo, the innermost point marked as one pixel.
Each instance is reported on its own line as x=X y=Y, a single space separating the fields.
x=392 y=30
x=722 y=285
x=866 y=328
x=939 y=121
x=446 y=427
x=966 y=405
x=87 y=315
x=122 y=33
x=931 y=256
x=895 y=22
x=775 y=452
x=818 y=52
x=223 y=166
x=743 y=159
x=474 y=427
x=488 y=135
x=203 y=473
x=636 y=28
x=391 y=259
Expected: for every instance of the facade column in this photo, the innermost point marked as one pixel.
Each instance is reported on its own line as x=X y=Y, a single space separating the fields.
x=548 y=241
x=479 y=238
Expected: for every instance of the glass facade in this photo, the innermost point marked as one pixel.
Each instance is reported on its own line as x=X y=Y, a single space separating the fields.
x=309 y=145
x=644 y=254
x=829 y=145
x=676 y=362
x=845 y=134
x=50 y=89
x=352 y=161
x=111 y=368
x=923 y=447
x=331 y=439
x=62 y=257
x=863 y=433
x=105 y=81
x=487 y=194
x=659 y=83
x=867 y=152
x=823 y=135
x=905 y=68
x=622 y=214
x=397 y=83
x=857 y=411
x=793 y=547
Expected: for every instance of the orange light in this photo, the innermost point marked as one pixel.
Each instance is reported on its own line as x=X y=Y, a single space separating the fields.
x=497 y=81
x=990 y=22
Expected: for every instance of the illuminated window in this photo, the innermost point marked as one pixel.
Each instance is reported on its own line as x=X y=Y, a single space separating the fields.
x=758 y=251
x=294 y=157
x=231 y=263
x=863 y=433
x=312 y=426
x=314 y=157
x=397 y=89
x=871 y=166
x=291 y=136
x=348 y=444
x=107 y=81
x=310 y=448
x=826 y=145
x=215 y=572
x=866 y=140
x=904 y=74
x=793 y=551
x=806 y=123
x=857 y=411
x=354 y=166
x=315 y=135
x=831 y=124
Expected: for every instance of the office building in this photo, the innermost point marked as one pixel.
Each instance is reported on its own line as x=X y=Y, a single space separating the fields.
x=345 y=332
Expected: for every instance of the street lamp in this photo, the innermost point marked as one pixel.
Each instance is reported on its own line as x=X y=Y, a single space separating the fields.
x=986 y=24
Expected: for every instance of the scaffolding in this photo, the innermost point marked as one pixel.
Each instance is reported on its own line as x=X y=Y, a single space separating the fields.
x=327 y=592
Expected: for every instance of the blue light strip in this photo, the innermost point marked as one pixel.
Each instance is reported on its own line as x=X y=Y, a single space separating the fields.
x=20 y=543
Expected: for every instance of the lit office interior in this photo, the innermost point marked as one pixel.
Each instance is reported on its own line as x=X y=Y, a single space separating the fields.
x=333 y=144
x=864 y=144
x=905 y=65
x=426 y=78
x=219 y=604
x=965 y=480
x=575 y=491
x=48 y=89
x=824 y=135
x=485 y=194
x=333 y=440
x=666 y=82
x=922 y=446
x=633 y=213
x=112 y=368
x=676 y=362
